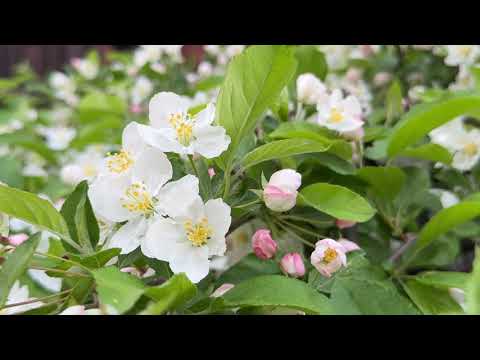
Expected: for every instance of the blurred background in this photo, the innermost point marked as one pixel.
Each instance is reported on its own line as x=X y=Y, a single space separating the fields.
x=45 y=58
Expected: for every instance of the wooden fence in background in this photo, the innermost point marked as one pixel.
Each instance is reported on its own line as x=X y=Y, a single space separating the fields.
x=45 y=58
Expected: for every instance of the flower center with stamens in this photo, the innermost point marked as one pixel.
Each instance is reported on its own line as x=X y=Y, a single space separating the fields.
x=198 y=234
x=336 y=116
x=138 y=199
x=119 y=162
x=465 y=50
x=470 y=149
x=329 y=255
x=183 y=125
x=89 y=170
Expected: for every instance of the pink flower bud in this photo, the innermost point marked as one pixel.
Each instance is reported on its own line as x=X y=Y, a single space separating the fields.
x=136 y=109
x=132 y=271
x=328 y=257
x=353 y=74
x=280 y=194
x=211 y=172
x=344 y=224
x=292 y=264
x=264 y=246
x=222 y=290
x=17 y=239
x=76 y=62
x=382 y=78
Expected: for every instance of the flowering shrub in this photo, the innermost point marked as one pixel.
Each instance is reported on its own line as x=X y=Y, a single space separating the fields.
x=264 y=180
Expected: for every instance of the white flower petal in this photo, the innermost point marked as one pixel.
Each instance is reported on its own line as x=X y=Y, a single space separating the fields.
x=153 y=168
x=162 y=105
x=210 y=141
x=191 y=260
x=129 y=235
x=161 y=239
x=219 y=219
x=176 y=196
x=105 y=194
x=163 y=139
x=131 y=140
x=206 y=116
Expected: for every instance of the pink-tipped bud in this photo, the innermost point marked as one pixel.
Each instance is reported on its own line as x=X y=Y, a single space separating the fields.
x=292 y=264
x=136 y=109
x=344 y=224
x=263 y=245
x=353 y=74
x=280 y=194
x=211 y=172
x=222 y=290
x=132 y=271
x=382 y=78
x=76 y=62
x=17 y=239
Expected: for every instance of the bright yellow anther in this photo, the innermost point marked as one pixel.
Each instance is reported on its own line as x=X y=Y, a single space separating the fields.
x=336 y=116
x=138 y=199
x=198 y=233
x=329 y=255
x=183 y=126
x=470 y=149
x=120 y=162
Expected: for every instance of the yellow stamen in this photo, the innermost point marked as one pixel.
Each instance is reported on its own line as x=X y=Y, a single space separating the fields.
x=119 y=162
x=336 y=116
x=470 y=149
x=465 y=50
x=183 y=126
x=329 y=255
x=138 y=199
x=199 y=233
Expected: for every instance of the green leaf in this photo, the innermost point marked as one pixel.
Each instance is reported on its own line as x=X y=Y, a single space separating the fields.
x=254 y=80
x=98 y=259
x=280 y=106
x=284 y=148
x=209 y=83
x=430 y=152
x=98 y=104
x=170 y=295
x=15 y=265
x=117 y=289
x=30 y=142
x=431 y=300
x=34 y=210
x=277 y=290
x=443 y=279
x=472 y=294
x=81 y=221
x=337 y=201
x=311 y=60
x=423 y=118
x=386 y=182
x=305 y=130
x=445 y=220
x=97 y=132
x=248 y=267
x=394 y=101
x=330 y=161
x=11 y=173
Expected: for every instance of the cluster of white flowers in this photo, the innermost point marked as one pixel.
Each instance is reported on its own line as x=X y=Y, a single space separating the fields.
x=64 y=88
x=334 y=111
x=167 y=219
x=464 y=144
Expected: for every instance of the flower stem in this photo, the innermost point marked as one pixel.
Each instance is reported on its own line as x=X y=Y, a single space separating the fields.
x=36 y=300
x=64 y=260
x=67 y=273
x=192 y=163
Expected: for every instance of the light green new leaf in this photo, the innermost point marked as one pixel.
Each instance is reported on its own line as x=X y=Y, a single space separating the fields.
x=472 y=294
x=277 y=290
x=34 y=210
x=386 y=182
x=394 y=101
x=96 y=105
x=15 y=265
x=431 y=300
x=337 y=201
x=445 y=220
x=305 y=130
x=283 y=148
x=311 y=60
x=423 y=118
x=170 y=295
x=117 y=289
x=254 y=80
x=430 y=152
